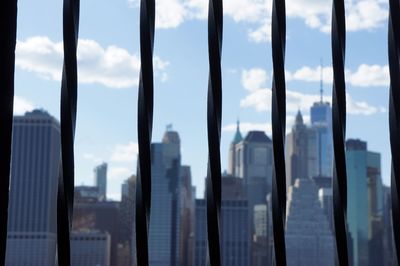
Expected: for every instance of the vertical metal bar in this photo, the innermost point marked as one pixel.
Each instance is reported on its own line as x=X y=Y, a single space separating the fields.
x=339 y=131
x=394 y=115
x=69 y=87
x=214 y=115
x=278 y=129
x=8 y=31
x=145 y=125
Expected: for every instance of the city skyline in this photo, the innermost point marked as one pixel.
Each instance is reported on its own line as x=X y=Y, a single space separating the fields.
x=108 y=68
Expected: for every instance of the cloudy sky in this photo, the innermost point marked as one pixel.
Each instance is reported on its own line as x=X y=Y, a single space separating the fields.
x=109 y=63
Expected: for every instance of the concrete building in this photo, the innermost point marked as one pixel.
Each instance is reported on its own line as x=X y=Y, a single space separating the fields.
x=309 y=238
x=102 y=216
x=90 y=248
x=32 y=227
x=235 y=235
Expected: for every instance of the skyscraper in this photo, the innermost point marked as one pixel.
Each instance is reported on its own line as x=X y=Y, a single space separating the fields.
x=365 y=203
x=309 y=149
x=32 y=230
x=309 y=238
x=165 y=222
x=235 y=235
x=232 y=150
x=301 y=152
x=100 y=175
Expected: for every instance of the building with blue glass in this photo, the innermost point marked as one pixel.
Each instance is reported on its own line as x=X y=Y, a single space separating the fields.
x=364 y=203
x=32 y=228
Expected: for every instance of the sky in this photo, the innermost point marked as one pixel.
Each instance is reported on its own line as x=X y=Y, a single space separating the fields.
x=109 y=64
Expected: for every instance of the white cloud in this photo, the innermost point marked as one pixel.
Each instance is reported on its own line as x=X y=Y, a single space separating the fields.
x=361 y=14
x=112 y=66
x=92 y=157
x=21 y=105
x=125 y=152
x=119 y=173
x=254 y=78
x=364 y=76
x=260 y=99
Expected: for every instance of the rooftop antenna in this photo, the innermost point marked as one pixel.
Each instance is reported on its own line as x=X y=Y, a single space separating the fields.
x=321 y=88
x=169 y=127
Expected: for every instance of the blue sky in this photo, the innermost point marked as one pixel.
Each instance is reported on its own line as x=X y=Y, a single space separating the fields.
x=109 y=63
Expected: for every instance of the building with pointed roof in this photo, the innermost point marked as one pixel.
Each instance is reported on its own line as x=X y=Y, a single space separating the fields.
x=309 y=238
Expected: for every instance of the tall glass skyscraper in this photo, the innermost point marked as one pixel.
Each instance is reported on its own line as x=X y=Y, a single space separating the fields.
x=34 y=178
x=100 y=175
x=165 y=222
x=364 y=203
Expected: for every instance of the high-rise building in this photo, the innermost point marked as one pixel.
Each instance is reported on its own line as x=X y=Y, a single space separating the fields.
x=188 y=196
x=127 y=218
x=365 y=203
x=232 y=150
x=309 y=238
x=325 y=198
x=91 y=248
x=166 y=203
x=32 y=230
x=102 y=216
x=309 y=150
x=235 y=235
x=100 y=175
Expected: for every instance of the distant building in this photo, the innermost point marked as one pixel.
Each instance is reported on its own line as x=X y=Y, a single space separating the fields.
x=260 y=220
x=86 y=194
x=188 y=196
x=232 y=161
x=325 y=198
x=102 y=216
x=309 y=238
x=301 y=152
x=100 y=175
x=90 y=249
x=127 y=219
x=166 y=202
x=235 y=235
x=32 y=227
x=365 y=203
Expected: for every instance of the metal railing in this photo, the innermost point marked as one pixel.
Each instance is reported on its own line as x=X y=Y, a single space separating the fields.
x=8 y=18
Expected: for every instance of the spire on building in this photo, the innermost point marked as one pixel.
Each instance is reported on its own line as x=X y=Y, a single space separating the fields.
x=299 y=118
x=321 y=88
x=238 y=136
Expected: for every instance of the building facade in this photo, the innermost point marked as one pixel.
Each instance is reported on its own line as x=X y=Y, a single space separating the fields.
x=365 y=203
x=165 y=222
x=100 y=176
x=32 y=228
x=309 y=238
x=91 y=248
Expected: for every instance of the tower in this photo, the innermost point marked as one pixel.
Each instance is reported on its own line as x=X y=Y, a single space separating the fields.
x=100 y=174
x=32 y=230
x=232 y=150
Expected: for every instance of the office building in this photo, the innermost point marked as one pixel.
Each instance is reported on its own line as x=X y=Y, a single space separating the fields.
x=100 y=175
x=91 y=248
x=32 y=228
x=309 y=152
x=166 y=203
x=102 y=216
x=309 y=238
x=365 y=203
x=235 y=235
